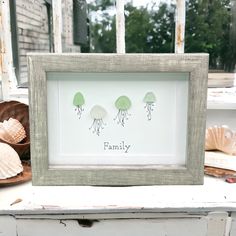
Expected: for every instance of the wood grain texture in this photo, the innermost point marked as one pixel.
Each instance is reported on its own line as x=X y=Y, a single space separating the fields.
x=127 y=227
x=233 y=228
x=24 y=176
x=197 y=67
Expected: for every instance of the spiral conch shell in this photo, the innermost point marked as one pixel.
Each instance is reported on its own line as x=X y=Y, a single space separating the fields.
x=221 y=138
x=12 y=131
x=10 y=164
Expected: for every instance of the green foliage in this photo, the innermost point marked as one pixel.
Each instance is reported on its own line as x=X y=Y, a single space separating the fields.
x=104 y=35
x=207 y=29
x=151 y=29
x=102 y=26
x=138 y=28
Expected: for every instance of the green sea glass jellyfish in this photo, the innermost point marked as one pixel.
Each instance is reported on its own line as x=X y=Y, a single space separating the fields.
x=123 y=104
x=97 y=113
x=78 y=102
x=150 y=100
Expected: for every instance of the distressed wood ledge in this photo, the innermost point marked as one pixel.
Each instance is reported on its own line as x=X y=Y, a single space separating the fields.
x=214 y=195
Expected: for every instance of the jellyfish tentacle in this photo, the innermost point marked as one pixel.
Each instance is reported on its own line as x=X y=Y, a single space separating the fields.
x=149 y=100
x=122 y=116
x=97 y=113
x=79 y=110
x=103 y=124
x=117 y=115
x=79 y=102
x=149 y=112
x=92 y=124
x=97 y=126
x=123 y=104
x=149 y=108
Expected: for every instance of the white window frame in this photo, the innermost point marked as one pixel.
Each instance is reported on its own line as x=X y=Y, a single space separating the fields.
x=179 y=26
x=9 y=89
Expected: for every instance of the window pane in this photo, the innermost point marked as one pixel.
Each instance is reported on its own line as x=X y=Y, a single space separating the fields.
x=150 y=26
x=102 y=15
x=31 y=33
x=80 y=28
x=211 y=28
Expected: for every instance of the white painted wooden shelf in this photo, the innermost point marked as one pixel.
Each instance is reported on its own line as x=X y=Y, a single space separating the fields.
x=215 y=194
x=221 y=105
x=221 y=98
x=208 y=210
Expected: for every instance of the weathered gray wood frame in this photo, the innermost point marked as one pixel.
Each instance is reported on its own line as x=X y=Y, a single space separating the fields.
x=192 y=173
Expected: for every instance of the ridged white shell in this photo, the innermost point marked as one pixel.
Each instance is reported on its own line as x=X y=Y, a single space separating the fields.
x=221 y=138
x=12 y=131
x=10 y=163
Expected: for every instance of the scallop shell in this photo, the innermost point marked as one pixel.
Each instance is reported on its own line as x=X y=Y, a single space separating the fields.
x=12 y=131
x=221 y=138
x=19 y=111
x=10 y=163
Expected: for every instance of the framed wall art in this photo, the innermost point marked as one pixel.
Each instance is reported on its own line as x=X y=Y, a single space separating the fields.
x=117 y=120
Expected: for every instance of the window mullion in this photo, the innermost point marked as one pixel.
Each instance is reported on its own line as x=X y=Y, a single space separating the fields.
x=180 y=26
x=120 y=26
x=57 y=25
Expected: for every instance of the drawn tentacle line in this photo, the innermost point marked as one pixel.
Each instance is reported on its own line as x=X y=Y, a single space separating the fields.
x=97 y=113
x=150 y=100
x=123 y=104
x=79 y=102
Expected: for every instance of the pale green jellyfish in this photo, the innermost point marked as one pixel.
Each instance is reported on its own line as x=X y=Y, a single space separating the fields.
x=78 y=102
x=97 y=113
x=123 y=104
x=150 y=100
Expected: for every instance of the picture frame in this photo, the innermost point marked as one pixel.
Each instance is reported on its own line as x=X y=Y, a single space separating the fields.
x=165 y=143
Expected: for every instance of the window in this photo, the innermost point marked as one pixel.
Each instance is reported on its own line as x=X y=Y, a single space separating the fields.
x=30 y=32
x=14 y=37
x=102 y=19
x=80 y=27
x=132 y=26
x=150 y=26
x=210 y=27
x=48 y=4
x=160 y=27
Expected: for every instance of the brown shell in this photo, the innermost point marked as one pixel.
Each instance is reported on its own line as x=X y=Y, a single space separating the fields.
x=10 y=163
x=19 y=111
x=12 y=131
x=221 y=138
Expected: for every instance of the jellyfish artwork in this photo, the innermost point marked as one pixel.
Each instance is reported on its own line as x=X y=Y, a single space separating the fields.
x=78 y=102
x=97 y=113
x=123 y=104
x=150 y=100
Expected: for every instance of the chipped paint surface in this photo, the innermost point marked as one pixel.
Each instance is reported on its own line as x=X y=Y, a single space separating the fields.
x=2 y=48
x=130 y=226
x=120 y=27
x=6 y=60
x=57 y=23
x=179 y=35
x=180 y=26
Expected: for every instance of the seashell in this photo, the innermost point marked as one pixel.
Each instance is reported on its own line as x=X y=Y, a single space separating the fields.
x=12 y=131
x=221 y=138
x=19 y=111
x=10 y=163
